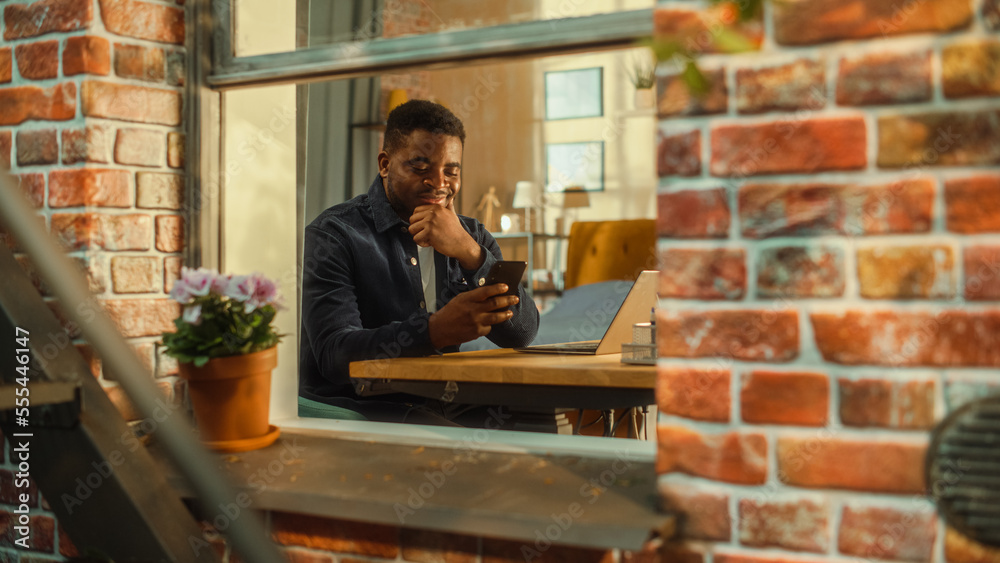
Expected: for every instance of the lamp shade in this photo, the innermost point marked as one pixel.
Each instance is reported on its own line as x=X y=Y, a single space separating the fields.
x=575 y=197
x=525 y=195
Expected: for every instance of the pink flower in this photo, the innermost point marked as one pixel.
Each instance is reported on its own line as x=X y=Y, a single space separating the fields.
x=220 y=283
x=199 y=281
x=265 y=291
x=240 y=288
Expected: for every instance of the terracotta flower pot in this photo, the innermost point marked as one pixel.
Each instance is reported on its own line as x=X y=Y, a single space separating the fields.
x=231 y=399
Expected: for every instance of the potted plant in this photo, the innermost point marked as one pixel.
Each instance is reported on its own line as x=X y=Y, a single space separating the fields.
x=226 y=347
x=642 y=75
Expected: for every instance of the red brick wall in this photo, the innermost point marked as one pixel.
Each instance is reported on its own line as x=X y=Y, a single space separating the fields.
x=829 y=219
x=91 y=124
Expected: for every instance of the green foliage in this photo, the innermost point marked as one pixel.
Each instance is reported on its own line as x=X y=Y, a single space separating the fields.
x=224 y=329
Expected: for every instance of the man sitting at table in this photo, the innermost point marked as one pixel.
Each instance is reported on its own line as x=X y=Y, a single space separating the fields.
x=397 y=272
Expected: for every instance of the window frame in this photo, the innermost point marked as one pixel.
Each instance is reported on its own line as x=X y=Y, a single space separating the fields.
x=214 y=69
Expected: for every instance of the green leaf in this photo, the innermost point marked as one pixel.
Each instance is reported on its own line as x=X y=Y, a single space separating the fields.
x=733 y=42
x=200 y=361
x=696 y=82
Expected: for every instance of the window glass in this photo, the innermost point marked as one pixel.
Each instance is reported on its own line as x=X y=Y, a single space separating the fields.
x=326 y=22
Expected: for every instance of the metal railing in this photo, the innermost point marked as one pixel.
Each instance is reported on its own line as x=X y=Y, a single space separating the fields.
x=175 y=433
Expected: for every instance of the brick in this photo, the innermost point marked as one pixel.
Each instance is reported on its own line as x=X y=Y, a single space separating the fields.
x=335 y=535
x=825 y=462
x=166 y=366
x=768 y=397
x=906 y=272
x=175 y=149
x=33 y=187
x=91 y=231
x=674 y=97
x=769 y=210
x=704 y=511
x=884 y=78
x=42 y=535
x=302 y=556
x=143 y=20
x=169 y=233
x=732 y=457
x=86 y=54
x=703 y=273
x=136 y=274
x=141 y=147
x=425 y=546
x=990 y=13
x=693 y=214
x=46 y=16
x=6 y=65
x=23 y=103
x=883 y=403
x=973 y=204
x=794 y=524
x=970 y=69
x=139 y=62
x=505 y=551
x=142 y=317
x=90 y=187
x=749 y=335
x=701 y=394
x=821 y=21
x=939 y=139
x=176 y=70
x=982 y=273
x=89 y=144
x=961 y=549
x=5 y=148
x=171 y=272
x=38 y=61
x=11 y=495
x=756 y=557
x=887 y=533
x=800 y=271
x=131 y=103
x=159 y=190
x=698 y=30
x=679 y=155
x=887 y=338
x=798 y=85
x=39 y=146
x=792 y=145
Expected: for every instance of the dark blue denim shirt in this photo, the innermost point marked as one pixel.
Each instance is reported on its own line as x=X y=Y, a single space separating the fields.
x=362 y=297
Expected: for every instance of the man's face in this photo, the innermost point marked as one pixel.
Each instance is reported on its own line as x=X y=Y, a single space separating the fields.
x=426 y=170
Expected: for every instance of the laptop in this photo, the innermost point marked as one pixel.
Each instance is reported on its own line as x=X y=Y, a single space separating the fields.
x=640 y=300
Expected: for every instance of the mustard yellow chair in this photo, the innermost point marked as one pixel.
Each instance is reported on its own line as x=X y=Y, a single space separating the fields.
x=609 y=250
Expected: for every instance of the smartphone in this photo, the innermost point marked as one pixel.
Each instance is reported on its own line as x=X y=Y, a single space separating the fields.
x=508 y=272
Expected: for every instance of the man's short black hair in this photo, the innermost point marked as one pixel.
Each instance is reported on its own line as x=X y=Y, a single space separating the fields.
x=420 y=114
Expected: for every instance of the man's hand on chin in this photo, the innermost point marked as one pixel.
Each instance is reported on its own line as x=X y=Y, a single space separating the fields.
x=438 y=226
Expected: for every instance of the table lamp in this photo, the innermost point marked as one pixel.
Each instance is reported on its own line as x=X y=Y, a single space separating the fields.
x=527 y=197
x=574 y=197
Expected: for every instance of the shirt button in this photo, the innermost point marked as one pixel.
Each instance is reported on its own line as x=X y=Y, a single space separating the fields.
x=413 y=261
x=422 y=305
x=402 y=229
x=482 y=281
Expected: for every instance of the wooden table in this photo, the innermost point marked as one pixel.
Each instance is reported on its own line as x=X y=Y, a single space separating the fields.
x=538 y=388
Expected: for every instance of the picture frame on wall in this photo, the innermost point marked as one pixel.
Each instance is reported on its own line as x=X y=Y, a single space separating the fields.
x=572 y=94
x=574 y=165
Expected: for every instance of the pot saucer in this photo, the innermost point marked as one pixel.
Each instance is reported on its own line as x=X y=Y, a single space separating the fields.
x=246 y=444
